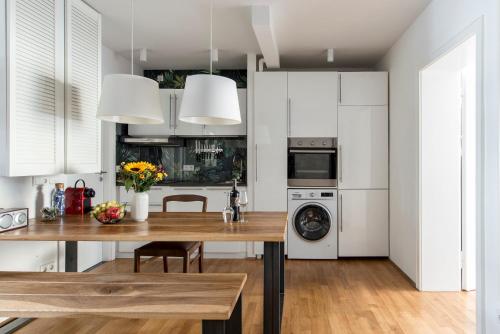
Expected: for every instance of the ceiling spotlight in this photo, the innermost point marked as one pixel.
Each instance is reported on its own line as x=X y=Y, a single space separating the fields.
x=330 y=55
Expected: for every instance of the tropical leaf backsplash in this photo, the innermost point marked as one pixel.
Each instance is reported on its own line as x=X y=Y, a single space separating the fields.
x=175 y=79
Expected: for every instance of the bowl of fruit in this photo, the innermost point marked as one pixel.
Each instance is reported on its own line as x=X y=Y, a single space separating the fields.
x=110 y=212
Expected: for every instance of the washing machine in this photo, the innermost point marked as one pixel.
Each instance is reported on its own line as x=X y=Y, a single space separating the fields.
x=312 y=224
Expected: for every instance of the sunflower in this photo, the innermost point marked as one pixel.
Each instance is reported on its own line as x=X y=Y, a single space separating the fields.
x=139 y=167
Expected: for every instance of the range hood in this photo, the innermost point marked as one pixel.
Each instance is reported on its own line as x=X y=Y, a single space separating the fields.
x=157 y=141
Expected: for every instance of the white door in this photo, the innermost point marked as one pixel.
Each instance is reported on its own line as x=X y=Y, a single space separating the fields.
x=363 y=223
x=83 y=88
x=270 y=141
x=312 y=109
x=183 y=128
x=363 y=147
x=232 y=130
x=165 y=129
x=363 y=88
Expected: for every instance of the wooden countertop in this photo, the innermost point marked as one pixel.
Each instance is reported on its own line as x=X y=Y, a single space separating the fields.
x=165 y=296
x=161 y=226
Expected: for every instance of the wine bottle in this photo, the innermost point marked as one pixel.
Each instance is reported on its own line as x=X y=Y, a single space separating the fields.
x=235 y=202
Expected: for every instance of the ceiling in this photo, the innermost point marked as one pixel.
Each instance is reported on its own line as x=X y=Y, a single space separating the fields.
x=176 y=32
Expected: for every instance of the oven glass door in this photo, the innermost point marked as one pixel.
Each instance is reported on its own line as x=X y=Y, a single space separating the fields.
x=309 y=169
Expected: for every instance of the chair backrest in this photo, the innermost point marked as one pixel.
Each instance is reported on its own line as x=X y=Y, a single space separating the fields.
x=185 y=198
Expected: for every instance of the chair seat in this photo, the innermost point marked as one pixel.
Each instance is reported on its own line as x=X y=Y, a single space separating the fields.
x=169 y=245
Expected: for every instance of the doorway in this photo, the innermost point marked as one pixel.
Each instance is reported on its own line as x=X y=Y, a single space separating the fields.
x=448 y=175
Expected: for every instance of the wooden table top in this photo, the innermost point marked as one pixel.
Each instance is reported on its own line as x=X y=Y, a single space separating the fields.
x=161 y=226
x=139 y=295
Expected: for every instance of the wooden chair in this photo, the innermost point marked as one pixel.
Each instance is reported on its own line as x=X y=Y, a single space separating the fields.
x=174 y=249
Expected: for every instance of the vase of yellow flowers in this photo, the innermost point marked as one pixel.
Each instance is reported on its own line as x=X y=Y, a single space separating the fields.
x=140 y=177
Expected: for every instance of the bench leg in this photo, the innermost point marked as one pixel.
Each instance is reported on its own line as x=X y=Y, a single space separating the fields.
x=232 y=326
x=273 y=279
x=71 y=256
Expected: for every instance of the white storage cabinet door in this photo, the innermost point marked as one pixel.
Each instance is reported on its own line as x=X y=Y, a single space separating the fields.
x=363 y=88
x=232 y=130
x=167 y=97
x=363 y=147
x=312 y=104
x=32 y=129
x=270 y=189
x=363 y=223
x=83 y=88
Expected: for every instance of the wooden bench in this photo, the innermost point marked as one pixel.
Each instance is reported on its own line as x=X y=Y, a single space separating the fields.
x=213 y=298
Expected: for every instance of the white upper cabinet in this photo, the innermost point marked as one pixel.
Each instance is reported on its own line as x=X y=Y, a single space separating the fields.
x=32 y=96
x=363 y=88
x=363 y=146
x=167 y=97
x=232 y=130
x=363 y=222
x=183 y=128
x=270 y=187
x=83 y=86
x=312 y=104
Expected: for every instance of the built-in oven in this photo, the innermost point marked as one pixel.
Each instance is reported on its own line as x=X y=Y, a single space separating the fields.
x=312 y=162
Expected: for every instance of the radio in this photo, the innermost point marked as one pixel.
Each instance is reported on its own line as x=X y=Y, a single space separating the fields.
x=11 y=219
x=78 y=201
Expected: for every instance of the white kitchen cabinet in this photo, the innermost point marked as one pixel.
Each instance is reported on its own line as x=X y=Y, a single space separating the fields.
x=83 y=88
x=184 y=128
x=270 y=108
x=363 y=223
x=32 y=89
x=312 y=104
x=167 y=97
x=363 y=88
x=363 y=147
x=232 y=130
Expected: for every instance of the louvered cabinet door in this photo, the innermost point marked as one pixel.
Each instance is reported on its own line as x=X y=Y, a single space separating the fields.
x=34 y=113
x=83 y=85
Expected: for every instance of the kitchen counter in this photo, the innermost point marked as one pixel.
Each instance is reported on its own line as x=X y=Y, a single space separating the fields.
x=193 y=184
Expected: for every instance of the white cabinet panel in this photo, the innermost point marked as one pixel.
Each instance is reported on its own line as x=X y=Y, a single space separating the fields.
x=183 y=128
x=363 y=223
x=363 y=147
x=232 y=130
x=363 y=88
x=32 y=91
x=270 y=188
x=83 y=87
x=167 y=128
x=312 y=109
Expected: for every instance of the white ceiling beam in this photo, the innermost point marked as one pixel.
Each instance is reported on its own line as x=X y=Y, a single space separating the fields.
x=263 y=28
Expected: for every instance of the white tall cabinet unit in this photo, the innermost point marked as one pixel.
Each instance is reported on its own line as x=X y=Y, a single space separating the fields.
x=312 y=104
x=39 y=41
x=32 y=96
x=363 y=146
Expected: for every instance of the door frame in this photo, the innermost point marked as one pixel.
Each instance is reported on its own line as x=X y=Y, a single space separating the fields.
x=475 y=29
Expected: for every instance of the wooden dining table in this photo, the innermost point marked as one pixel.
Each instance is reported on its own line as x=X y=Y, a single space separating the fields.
x=269 y=227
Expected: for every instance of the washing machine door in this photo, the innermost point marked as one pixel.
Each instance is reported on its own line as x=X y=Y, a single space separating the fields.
x=312 y=222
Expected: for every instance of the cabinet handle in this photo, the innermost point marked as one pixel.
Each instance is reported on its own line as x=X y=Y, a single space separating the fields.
x=341 y=214
x=170 y=112
x=289 y=110
x=340 y=163
x=340 y=88
x=175 y=111
x=256 y=164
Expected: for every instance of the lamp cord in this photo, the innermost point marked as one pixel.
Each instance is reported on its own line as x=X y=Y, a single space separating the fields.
x=132 y=37
x=211 y=34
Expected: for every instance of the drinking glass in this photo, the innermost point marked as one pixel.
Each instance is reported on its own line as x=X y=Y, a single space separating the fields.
x=227 y=212
x=243 y=204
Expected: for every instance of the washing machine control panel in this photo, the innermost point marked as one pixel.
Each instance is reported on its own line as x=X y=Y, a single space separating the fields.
x=312 y=194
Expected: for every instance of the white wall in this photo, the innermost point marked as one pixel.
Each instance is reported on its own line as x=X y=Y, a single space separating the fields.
x=20 y=192
x=438 y=24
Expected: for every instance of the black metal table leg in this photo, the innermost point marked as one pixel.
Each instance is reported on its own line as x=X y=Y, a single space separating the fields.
x=272 y=288
x=282 y=279
x=71 y=256
x=213 y=327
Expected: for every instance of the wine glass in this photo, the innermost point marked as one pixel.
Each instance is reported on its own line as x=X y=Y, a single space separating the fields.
x=243 y=204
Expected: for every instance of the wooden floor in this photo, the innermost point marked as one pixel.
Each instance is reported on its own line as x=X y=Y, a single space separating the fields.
x=346 y=296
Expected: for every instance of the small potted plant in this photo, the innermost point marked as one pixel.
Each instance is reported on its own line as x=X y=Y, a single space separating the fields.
x=140 y=176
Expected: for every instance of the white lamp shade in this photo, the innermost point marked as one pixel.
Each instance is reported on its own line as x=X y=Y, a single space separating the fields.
x=130 y=99
x=210 y=100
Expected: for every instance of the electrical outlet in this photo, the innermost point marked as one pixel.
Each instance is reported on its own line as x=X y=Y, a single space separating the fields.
x=188 y=168
x=48 y=267
x=40 y=180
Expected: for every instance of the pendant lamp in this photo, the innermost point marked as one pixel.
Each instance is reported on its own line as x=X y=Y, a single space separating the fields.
x=210 y=99
x=129 y=98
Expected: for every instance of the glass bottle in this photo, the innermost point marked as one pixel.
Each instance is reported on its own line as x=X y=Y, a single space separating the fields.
x=235 y=202
x=58 y=199
x=227 y=212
